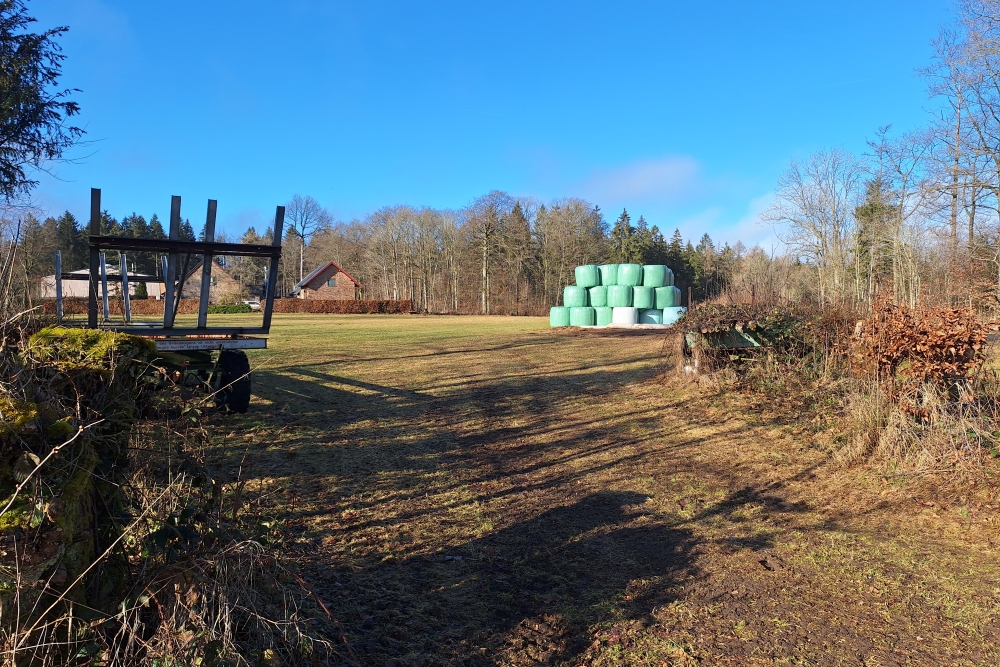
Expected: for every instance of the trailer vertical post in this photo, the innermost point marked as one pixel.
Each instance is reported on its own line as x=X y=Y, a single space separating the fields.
x=104 y=287
x=175 y=235
x=95 y=256
x=163 y=271
x=59 y=303
x=123 y=263
x=272 y=271
x=206 y=265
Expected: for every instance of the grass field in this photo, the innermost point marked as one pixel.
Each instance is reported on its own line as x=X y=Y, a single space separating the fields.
x=465 y=490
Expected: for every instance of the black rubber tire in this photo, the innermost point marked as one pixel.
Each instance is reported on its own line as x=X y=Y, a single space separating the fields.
x=236 y=379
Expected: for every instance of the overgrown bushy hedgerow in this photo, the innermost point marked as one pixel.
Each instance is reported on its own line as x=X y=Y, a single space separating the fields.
x=118 y=543
x=812 y=339
x=905 y=386
x=921 y=397
x=67 y=405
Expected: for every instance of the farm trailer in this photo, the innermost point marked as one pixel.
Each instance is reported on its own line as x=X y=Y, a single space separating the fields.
x=203 y=356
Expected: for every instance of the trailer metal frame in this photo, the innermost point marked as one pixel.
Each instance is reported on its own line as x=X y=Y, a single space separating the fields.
x=203 y=356
x=165 y=334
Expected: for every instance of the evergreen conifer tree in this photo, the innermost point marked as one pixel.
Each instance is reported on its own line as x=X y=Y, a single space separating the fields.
x=187 y=231
x=621 y=239
x=156 y=228
x=72 y=242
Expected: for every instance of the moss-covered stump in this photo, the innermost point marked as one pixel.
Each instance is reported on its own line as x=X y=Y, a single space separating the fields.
x=64 y=428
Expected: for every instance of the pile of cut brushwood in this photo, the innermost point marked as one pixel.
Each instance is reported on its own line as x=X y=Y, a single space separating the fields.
x=120 y=543
x=910 y=352
x=792 y=333
x=913 y=382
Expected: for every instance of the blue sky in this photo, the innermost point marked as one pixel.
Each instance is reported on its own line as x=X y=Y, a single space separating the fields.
x=684 y=112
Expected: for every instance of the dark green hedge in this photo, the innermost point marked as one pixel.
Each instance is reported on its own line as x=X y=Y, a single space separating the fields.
x=233 y=309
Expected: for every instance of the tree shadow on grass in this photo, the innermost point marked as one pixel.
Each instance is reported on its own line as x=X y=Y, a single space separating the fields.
x=411 y=431
x=525 y=595
x=530 y=592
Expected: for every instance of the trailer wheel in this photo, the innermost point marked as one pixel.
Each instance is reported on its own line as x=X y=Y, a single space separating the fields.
x=234 y=391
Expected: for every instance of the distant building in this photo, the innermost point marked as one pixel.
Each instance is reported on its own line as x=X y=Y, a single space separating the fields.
x=81 y=288
x=223 y=289
x=329 y=282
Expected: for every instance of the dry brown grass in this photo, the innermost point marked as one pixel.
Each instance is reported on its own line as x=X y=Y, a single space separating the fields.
x=489 y=491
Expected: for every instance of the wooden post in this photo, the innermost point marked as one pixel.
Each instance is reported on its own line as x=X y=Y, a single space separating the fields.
x=206 y=266
x=95 y=256
x=690 y=299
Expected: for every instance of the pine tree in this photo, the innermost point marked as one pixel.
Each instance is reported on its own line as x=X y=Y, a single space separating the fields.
x=873 y=260
x=109 y=225
x=642 y=242
x=35 y=121
x=657 y=252
x=134 y=226
x=156 y=228
x=621 y=239
x=679 y=261
x=72 y=243
x=187 y=231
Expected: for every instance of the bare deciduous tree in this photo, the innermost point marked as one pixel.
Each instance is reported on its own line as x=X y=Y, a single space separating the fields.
x=304 y=217
x=814 y=214
x=488 y=219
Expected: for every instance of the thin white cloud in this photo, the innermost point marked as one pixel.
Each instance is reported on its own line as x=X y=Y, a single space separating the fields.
x=666 y=180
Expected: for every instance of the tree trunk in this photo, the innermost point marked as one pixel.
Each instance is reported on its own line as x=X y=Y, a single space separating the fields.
x=484 y=305
x=954 y=185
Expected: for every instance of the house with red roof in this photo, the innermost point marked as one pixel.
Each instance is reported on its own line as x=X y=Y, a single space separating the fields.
x=328 y=281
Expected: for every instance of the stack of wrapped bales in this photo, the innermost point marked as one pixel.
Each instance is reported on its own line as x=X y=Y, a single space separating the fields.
x=621 y=295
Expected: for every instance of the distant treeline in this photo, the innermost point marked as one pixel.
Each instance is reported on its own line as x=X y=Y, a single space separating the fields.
x=41 y=239
x=504 y=254
x=501 y=254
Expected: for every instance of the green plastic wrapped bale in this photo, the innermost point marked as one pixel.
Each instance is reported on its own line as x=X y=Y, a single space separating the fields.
x=666 y=297
x=609 y=274
x=598 y=296
x=643 y=297
x=619 y=296
x=651 y=316
x=671 y=315
x=654 y=275
x=587 y=275
x=574 y=296
x=604 y=316
x=582 y=317
x=558 y=316
x=670 y=278
x=629 y=274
